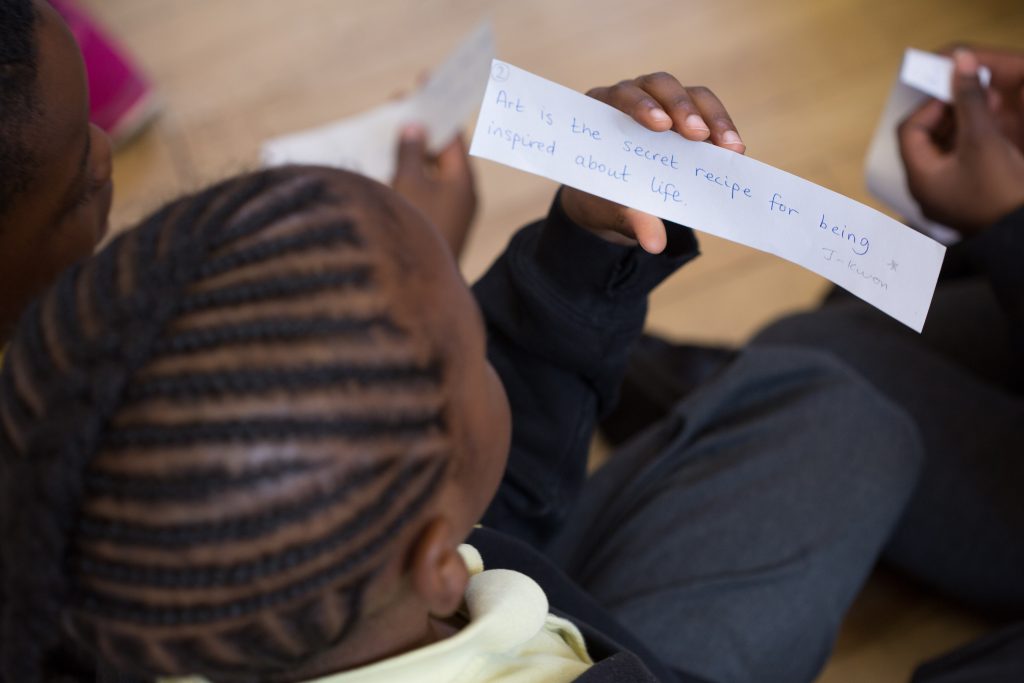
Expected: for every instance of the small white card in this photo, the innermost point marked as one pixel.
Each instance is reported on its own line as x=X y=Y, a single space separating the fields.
x=368 y=143
x=541 y=127
x=933 y=74
x=921 y=76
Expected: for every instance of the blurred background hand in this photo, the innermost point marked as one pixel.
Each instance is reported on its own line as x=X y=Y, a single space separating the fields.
x=964 y=162
x=442 y=187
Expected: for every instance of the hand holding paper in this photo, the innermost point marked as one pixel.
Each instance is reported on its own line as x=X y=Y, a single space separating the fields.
x=923 y=75
x=441 y=186
x=659 y=103
x=541 y=127
x=964 y=172
x=1006 y=88
x=368 y=143
x=429 y=168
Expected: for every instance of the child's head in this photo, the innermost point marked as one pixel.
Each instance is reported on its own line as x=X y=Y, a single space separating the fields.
x=54 y=166
x=246 y=439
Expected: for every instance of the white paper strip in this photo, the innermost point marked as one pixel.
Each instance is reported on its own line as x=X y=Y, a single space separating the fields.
x=541 y=127
x=367 y=143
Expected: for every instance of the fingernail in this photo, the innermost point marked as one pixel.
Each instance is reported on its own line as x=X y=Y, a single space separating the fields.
x=412 y=132
x=696 y=122
x=965 y=61
x=731 y=137
x=653 y=245
x=659 y=115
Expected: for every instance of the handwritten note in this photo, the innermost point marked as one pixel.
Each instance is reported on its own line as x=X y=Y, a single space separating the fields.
x=922 y=75
x=541 y=127
x=367 y=143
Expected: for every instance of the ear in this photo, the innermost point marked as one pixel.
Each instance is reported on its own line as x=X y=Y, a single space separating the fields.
x=436 y=570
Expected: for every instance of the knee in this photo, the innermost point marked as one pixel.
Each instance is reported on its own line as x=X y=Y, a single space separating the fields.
x=874 y=442
x=845 y=424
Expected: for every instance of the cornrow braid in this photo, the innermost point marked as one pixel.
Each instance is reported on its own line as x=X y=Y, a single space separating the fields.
x=358 y=277
x=280 y=329
x=183 y=491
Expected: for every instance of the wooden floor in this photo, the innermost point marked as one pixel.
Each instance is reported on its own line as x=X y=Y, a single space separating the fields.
x=805 y=81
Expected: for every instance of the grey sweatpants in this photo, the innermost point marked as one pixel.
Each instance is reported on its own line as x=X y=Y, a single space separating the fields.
x=733 y=535
x=961 y=382
x=963 y=531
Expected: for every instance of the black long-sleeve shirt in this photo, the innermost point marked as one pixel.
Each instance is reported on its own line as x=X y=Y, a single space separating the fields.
x=999 y=254
x=563 y=308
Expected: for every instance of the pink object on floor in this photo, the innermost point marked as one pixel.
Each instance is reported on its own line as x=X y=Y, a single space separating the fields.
x=121 y=101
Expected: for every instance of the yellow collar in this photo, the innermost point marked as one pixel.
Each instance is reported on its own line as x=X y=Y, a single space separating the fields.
x=508 y=615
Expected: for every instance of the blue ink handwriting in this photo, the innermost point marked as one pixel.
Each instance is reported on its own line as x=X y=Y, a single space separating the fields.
x=504 y=101
x=519 y=140
x=650 y=154
x=668 y=191
x=775 y=204
x=853 y=267
x=733 y=187
x=582 y=128
x=844 y=233
x=591 y=164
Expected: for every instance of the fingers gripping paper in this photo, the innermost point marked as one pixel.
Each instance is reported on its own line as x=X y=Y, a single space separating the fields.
x=367 y=143
x=538 y=126
x=922 y=75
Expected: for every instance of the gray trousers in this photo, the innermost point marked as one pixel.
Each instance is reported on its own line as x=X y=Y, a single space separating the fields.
x=733 y=535
x=963 y=531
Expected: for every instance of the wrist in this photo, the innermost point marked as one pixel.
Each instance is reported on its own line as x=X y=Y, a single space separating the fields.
x=587 y=272
x=998 y=210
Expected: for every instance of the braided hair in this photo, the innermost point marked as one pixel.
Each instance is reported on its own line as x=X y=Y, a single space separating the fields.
x=211 y=435
x=19 y=74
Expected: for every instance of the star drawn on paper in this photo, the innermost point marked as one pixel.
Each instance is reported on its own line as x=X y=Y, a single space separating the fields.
x=893 y=265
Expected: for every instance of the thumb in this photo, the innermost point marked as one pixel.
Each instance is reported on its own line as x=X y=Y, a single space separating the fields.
x=648 y=230
x=916 y=137
x=412 y=151
x=453 y=160
x=973 y=115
